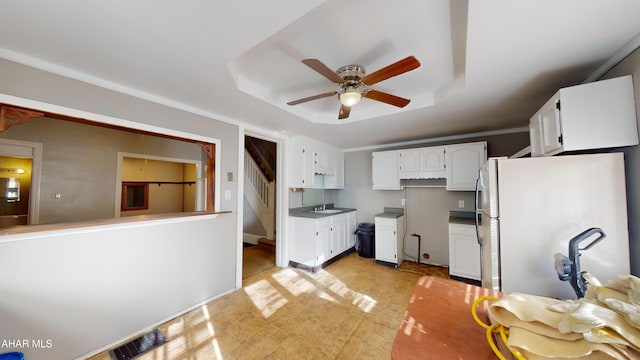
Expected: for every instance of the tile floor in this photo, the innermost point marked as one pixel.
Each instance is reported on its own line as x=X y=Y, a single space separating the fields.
x=350 y=310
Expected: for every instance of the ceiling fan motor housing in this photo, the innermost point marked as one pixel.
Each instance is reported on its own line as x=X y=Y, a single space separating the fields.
x=352 y=74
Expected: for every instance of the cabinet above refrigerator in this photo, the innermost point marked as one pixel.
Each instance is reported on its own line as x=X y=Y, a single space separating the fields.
x=596 y=115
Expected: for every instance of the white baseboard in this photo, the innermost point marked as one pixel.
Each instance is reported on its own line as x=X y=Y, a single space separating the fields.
x=251 y=238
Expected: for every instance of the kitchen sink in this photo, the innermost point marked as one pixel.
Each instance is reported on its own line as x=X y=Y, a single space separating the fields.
x=328 y=211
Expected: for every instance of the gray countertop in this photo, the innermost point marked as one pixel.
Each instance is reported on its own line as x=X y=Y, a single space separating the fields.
x=307 y=212
x=462 y=217
x=389 y=215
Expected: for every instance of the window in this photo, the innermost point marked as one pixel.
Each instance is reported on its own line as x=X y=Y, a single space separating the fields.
x=135 y=196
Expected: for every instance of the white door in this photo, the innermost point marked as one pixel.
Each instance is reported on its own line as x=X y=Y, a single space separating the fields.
x=384 y=171
x=323 y=241
x=409 y=161
x=464 y=252
x=386 y=243
x=432 y=158
x=33 y=151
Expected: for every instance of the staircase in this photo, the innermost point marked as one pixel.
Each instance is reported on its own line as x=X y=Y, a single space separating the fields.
x=260 y=193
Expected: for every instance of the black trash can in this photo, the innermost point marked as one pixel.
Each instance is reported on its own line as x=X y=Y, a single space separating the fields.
x=366 y=245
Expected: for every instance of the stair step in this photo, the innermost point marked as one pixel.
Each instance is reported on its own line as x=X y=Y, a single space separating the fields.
x=266 y=241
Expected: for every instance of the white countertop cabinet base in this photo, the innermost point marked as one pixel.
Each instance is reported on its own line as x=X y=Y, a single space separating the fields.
x=464 y=251
x=314 y=241
x=389 y=235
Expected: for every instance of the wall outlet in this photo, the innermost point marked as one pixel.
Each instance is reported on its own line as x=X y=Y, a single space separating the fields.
x=227 y=194
x=403 y=202
x=461 y=204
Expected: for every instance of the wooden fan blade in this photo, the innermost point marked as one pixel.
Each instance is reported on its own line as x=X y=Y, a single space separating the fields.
x=311 y=98
x=399 y=67
x=344 y=112
x=323 y=70
x=387 y=98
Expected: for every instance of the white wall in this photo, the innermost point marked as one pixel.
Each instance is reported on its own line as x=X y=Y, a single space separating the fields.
x=631 y=66
x=64 y=286
x=86 y=288
x=250 y=221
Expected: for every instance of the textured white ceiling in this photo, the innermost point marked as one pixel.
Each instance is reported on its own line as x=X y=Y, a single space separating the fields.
x=486 y=66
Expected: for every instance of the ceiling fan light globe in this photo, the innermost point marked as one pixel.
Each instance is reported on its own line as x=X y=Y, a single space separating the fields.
x=350 y=98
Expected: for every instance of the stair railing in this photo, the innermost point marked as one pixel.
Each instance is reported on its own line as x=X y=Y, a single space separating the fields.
x=260 y=194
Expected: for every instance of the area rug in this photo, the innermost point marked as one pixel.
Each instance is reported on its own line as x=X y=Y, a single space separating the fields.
x=425 y=269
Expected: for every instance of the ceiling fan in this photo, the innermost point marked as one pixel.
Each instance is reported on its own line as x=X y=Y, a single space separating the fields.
x=355 y=84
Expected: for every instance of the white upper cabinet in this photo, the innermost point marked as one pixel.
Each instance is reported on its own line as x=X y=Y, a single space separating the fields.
x=301 y=163
x=336 y=181
x=309 y=158
x=463 y=163
x=324 y=160
x=409 y=163
x=432 y=160
x=422 y=163
x=458 y=164
x=384 y=170
x=597 y=115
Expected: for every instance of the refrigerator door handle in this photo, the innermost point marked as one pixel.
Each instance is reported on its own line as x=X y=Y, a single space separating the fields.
x=477 y=212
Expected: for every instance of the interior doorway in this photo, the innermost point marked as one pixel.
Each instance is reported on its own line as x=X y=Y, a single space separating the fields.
x=20 y=163
x=259 y=206
x=15 y=187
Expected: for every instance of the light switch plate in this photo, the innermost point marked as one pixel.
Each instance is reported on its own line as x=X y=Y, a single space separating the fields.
x=229 y=176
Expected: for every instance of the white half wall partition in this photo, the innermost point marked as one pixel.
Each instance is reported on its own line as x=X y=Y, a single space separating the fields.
x=88 y=288
x=69 y=293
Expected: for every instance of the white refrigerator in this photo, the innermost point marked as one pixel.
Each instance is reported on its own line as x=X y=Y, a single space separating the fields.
x=529 y=209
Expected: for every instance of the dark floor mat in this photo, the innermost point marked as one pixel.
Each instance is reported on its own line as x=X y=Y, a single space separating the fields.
x=138 y=346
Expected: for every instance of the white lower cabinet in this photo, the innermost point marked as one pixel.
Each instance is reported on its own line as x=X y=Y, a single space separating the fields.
x=464 y=251
x=388 y=239
x=315 y=241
